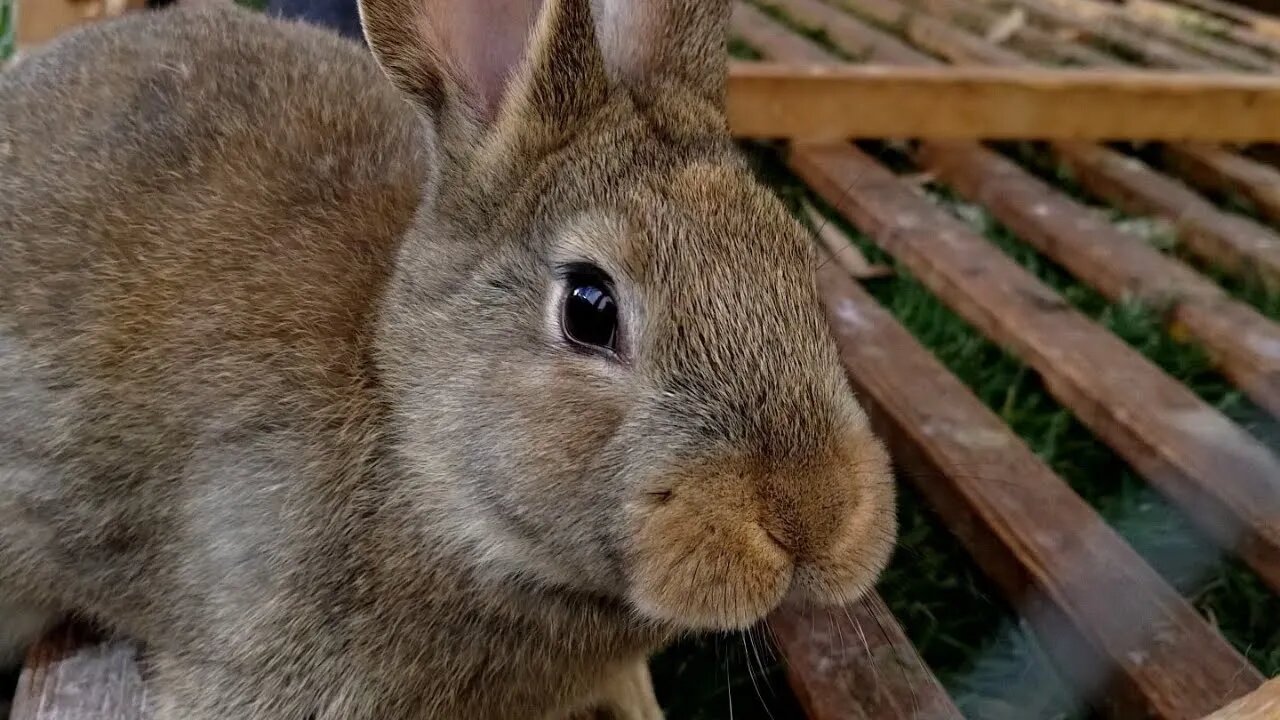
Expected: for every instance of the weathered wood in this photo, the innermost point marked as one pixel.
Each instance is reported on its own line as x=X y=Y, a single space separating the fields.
x=1129 y=642
x=1232 y=242
x=1229 y=241
x=1262 y=23
x=1028 y=40
x=1097 y=14
x=1215 y=170
x=857 y=664
x=1205 y=165
x=1244 y=344
x=73 y=675
x=760 y=32
x=1261 y=704
x=1158 y=425
x=1189 y=20
x=1224 y=478
x=853 y=38
x=998 y=103
x=1151 y=51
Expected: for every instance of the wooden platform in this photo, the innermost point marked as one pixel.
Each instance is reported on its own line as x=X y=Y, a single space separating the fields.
x=948 y=74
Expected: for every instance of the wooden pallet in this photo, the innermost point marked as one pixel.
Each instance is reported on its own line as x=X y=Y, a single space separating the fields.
x=1130 y=644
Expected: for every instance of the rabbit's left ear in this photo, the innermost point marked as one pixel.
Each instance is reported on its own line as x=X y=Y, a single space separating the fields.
x=472 y=61
x=649 y=44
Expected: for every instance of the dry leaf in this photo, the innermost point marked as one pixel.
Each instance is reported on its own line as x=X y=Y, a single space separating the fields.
x=843 y=249
x=1007 y=26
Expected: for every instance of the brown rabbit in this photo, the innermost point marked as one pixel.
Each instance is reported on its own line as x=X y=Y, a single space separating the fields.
x=353 y=408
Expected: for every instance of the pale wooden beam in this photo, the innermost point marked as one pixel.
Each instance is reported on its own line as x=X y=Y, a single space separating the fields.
x=811 y=101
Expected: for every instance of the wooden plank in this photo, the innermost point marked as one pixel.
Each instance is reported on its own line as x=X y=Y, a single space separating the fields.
x=1215 y=170
x=1151 y=51
x=1232 y=242
x=1261 y=704
x=759 y=31
x=1129 y=642
x=1099 y=14
x=853 y=38
x=1194 y=21
x=1221 y=476
x=1028 y=40
x=857 y=664
x=1262 y=23
x=73 y=675
x=1244 y=344
x=999 y=103
x=1207 y=166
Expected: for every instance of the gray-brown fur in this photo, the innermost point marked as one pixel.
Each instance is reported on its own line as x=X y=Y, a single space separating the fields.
x=281 y=393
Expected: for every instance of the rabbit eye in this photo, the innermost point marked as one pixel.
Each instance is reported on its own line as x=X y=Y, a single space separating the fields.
x=590 y=313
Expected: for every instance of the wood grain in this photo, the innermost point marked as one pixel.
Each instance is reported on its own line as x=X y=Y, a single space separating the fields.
x=1131 y=644
x=1244 y=344
x=1093 y=14
x=1209 y=168
x=1205 y=165
x=1232 y=242
x=73 y=675
x=976 y=102
x=1221 y=476
x=857 y=664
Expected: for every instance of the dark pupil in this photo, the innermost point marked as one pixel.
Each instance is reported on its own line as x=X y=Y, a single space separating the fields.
x=590 y=315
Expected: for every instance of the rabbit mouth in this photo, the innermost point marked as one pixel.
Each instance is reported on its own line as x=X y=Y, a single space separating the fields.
x=721 y=554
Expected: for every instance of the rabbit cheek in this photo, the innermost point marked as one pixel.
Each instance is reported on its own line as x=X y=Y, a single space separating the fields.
x=700 y=560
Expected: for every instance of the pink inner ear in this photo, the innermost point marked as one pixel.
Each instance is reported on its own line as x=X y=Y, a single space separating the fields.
x=625 y=31
x=481 y=43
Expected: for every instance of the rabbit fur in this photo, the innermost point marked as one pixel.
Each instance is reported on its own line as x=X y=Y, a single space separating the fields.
x=284 y=392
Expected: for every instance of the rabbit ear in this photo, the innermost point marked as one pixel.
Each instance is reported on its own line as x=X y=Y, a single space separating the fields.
x=477 y=56
x=651 y=43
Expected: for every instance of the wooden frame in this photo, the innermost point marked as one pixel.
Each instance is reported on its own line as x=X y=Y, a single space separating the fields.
x=861 y=101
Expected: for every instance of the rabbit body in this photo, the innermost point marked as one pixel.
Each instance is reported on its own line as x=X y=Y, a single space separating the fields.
x=277 y=396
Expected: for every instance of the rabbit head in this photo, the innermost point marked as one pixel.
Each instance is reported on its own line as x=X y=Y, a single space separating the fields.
x=603 y=342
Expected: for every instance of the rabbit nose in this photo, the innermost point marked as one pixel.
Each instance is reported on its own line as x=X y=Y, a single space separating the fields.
x=803 y=515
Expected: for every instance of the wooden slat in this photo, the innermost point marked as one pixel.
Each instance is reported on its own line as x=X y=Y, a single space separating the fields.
x=1244 y=344
x=857 y=665
x=1210 y=168
x=1232 y=242
x=1029 y=40
x=1228 y=241
x=1261 y=704
x=853 y=38
x=1225 y=480
x=1019 y=312
x=1129 y=642
x=1096 y=13
x=1151 y=51
x=1004 y=103
x=1188 y=21
x=1267 y=25
x=71 y=675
